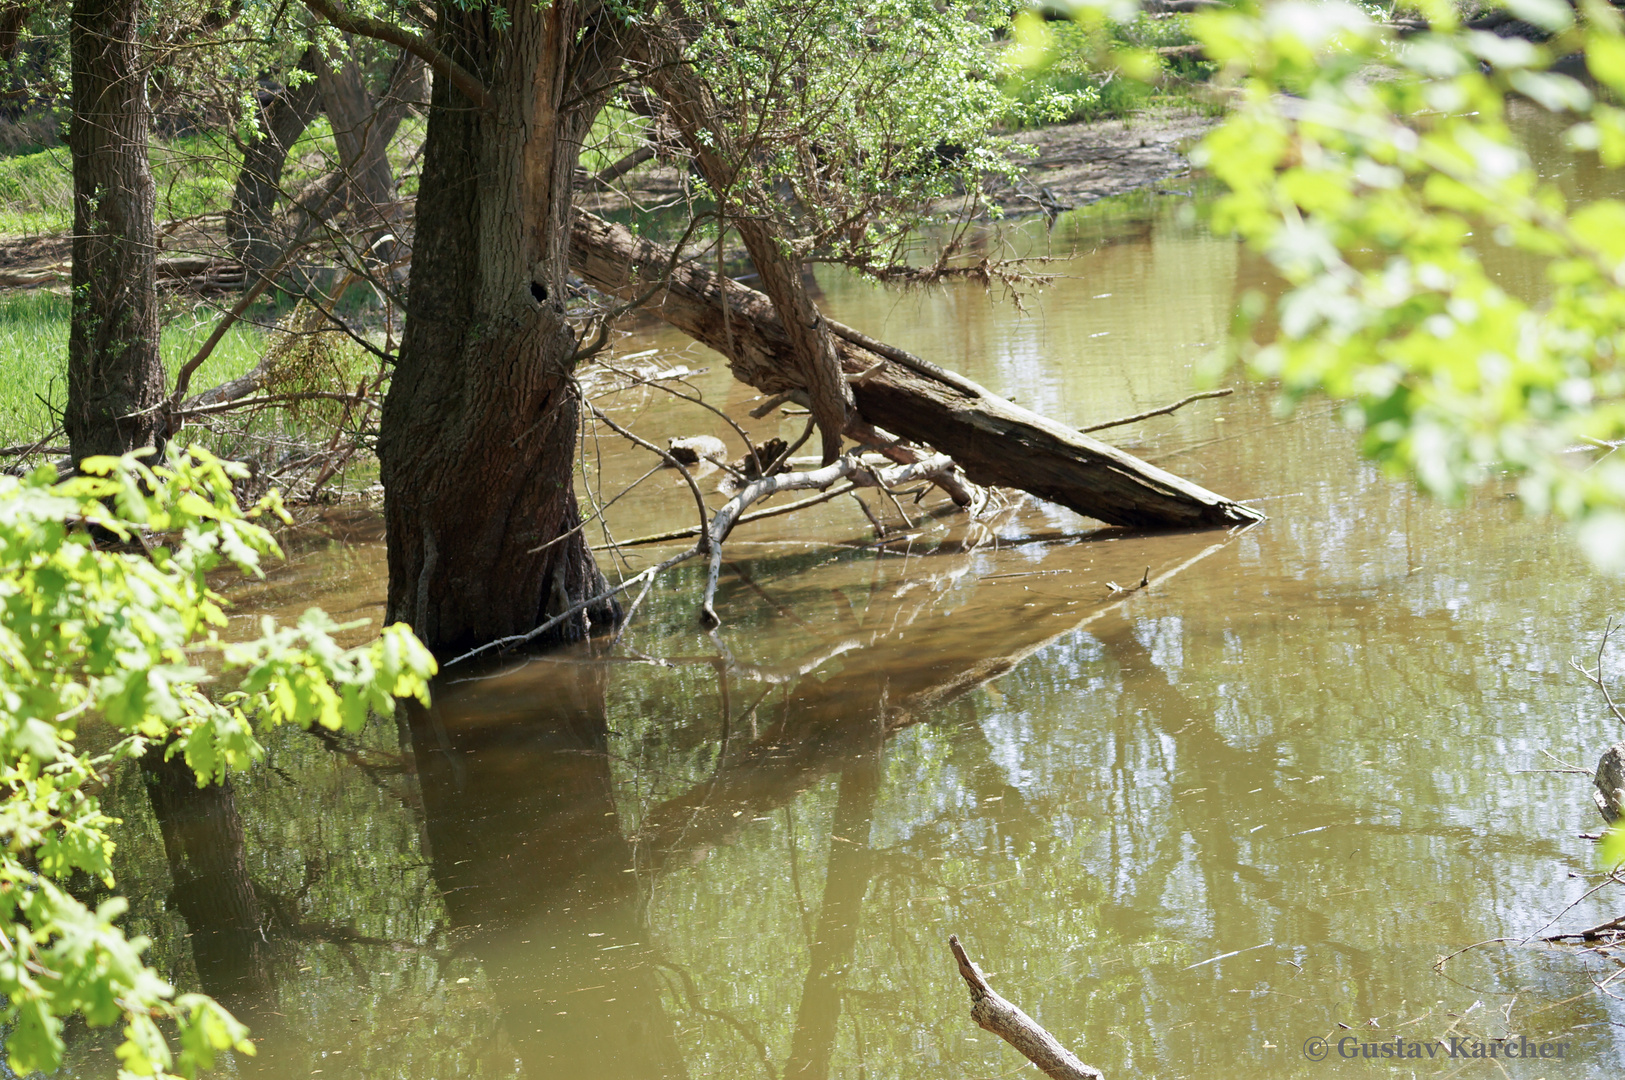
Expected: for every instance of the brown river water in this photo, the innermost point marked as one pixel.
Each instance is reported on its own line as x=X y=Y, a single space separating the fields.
x=1187 y=828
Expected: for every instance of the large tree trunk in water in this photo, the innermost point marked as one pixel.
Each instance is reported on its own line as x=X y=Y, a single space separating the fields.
x=115 y=375
x=995 y=441
x=251 y=220
x=479 y=430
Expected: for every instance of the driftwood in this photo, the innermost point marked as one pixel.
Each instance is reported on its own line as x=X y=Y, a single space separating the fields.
x=993 y=440
x=992 y=1013
x=200 y=272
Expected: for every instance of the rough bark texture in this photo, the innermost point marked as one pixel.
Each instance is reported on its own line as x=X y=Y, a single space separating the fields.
x=251 y=221
x=115 y=376
x=995 y=441
x=993 y=1013
x=810 y=348
x=364 y=128
x=1610 y=783
x=478 y=433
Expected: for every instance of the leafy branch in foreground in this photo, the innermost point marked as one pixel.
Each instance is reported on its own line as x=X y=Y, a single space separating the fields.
x=1383 y=173
x=126 y=642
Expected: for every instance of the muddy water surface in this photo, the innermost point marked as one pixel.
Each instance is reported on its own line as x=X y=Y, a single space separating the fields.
x=1187 y=827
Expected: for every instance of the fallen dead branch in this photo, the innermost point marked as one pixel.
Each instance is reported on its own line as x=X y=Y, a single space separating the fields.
x=1164 y=411
x=994 y=1014
x=995 y=442
x=744 y=519
x=848 y=465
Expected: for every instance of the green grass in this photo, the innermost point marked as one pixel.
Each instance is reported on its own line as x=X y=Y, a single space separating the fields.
x=1069 y=85
x=34 y=357
x=194 y=175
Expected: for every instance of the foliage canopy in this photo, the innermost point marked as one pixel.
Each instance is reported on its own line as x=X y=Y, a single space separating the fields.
x=1379 y=169
x=125 y=642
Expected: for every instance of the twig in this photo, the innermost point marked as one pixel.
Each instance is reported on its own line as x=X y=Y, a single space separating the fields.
x=1593 y=933
x=183 y=379
x=745 y=519
x=1596 y=678
x=1137 y=417
x=761 y=488
x=994 y=1014
x=530 y=635
x=699 y=500
x=630 y=612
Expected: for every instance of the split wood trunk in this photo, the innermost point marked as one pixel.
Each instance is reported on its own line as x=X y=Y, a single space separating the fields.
x=994 y=440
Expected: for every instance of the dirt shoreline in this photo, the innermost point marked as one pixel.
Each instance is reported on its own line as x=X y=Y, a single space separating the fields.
x=1073 y=165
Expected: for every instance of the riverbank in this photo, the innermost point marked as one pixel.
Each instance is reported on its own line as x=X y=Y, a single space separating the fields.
x=1070 y=165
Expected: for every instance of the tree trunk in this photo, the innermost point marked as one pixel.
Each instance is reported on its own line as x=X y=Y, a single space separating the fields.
x=811 y=352
x=364 y=128
x=478 y=434
x=115 y=374
x=995 y=441
x=251 y=220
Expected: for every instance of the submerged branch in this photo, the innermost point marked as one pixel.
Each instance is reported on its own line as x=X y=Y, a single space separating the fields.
x=994 y=1014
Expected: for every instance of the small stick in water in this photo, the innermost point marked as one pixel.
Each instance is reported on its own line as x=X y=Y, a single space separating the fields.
x=992 y=1013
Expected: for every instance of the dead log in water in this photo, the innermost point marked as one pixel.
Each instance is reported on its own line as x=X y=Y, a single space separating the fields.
x=995 y=441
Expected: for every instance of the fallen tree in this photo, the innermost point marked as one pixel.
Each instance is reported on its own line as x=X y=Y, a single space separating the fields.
x=994 y=441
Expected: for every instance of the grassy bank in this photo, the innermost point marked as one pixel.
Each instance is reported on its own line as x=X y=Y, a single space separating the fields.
x=34 y=357
x=1062 y=79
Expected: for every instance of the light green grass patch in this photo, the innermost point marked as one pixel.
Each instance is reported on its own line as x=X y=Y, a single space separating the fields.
x=34 y=357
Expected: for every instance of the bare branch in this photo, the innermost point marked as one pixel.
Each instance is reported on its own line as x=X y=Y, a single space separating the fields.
x=1137 y=417
x=993 y=1013
x=379 y=30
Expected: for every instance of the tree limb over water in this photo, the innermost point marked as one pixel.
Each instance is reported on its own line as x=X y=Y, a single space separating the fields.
x=993 y=440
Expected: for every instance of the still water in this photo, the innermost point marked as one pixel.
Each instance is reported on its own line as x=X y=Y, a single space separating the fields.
x=1187 y=828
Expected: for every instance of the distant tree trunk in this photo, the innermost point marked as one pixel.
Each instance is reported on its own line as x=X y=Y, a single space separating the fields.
x=478 y=435
x=14 y=16
x=251 y=220
x=362 y=130
x=115 y=375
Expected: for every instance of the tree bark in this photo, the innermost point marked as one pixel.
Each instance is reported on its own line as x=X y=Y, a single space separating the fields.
x=994 y=1014
x=995 y=441
x=251 y=220
x=364 y=128
x=478 y=433
x=811 y=350
x=115 y=374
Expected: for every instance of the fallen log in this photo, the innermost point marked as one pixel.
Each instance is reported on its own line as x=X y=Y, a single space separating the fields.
x=994 y=441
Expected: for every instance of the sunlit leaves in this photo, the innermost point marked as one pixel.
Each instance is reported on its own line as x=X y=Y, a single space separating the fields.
x=1379 y=173
x=852 y=117
x=107 y=614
